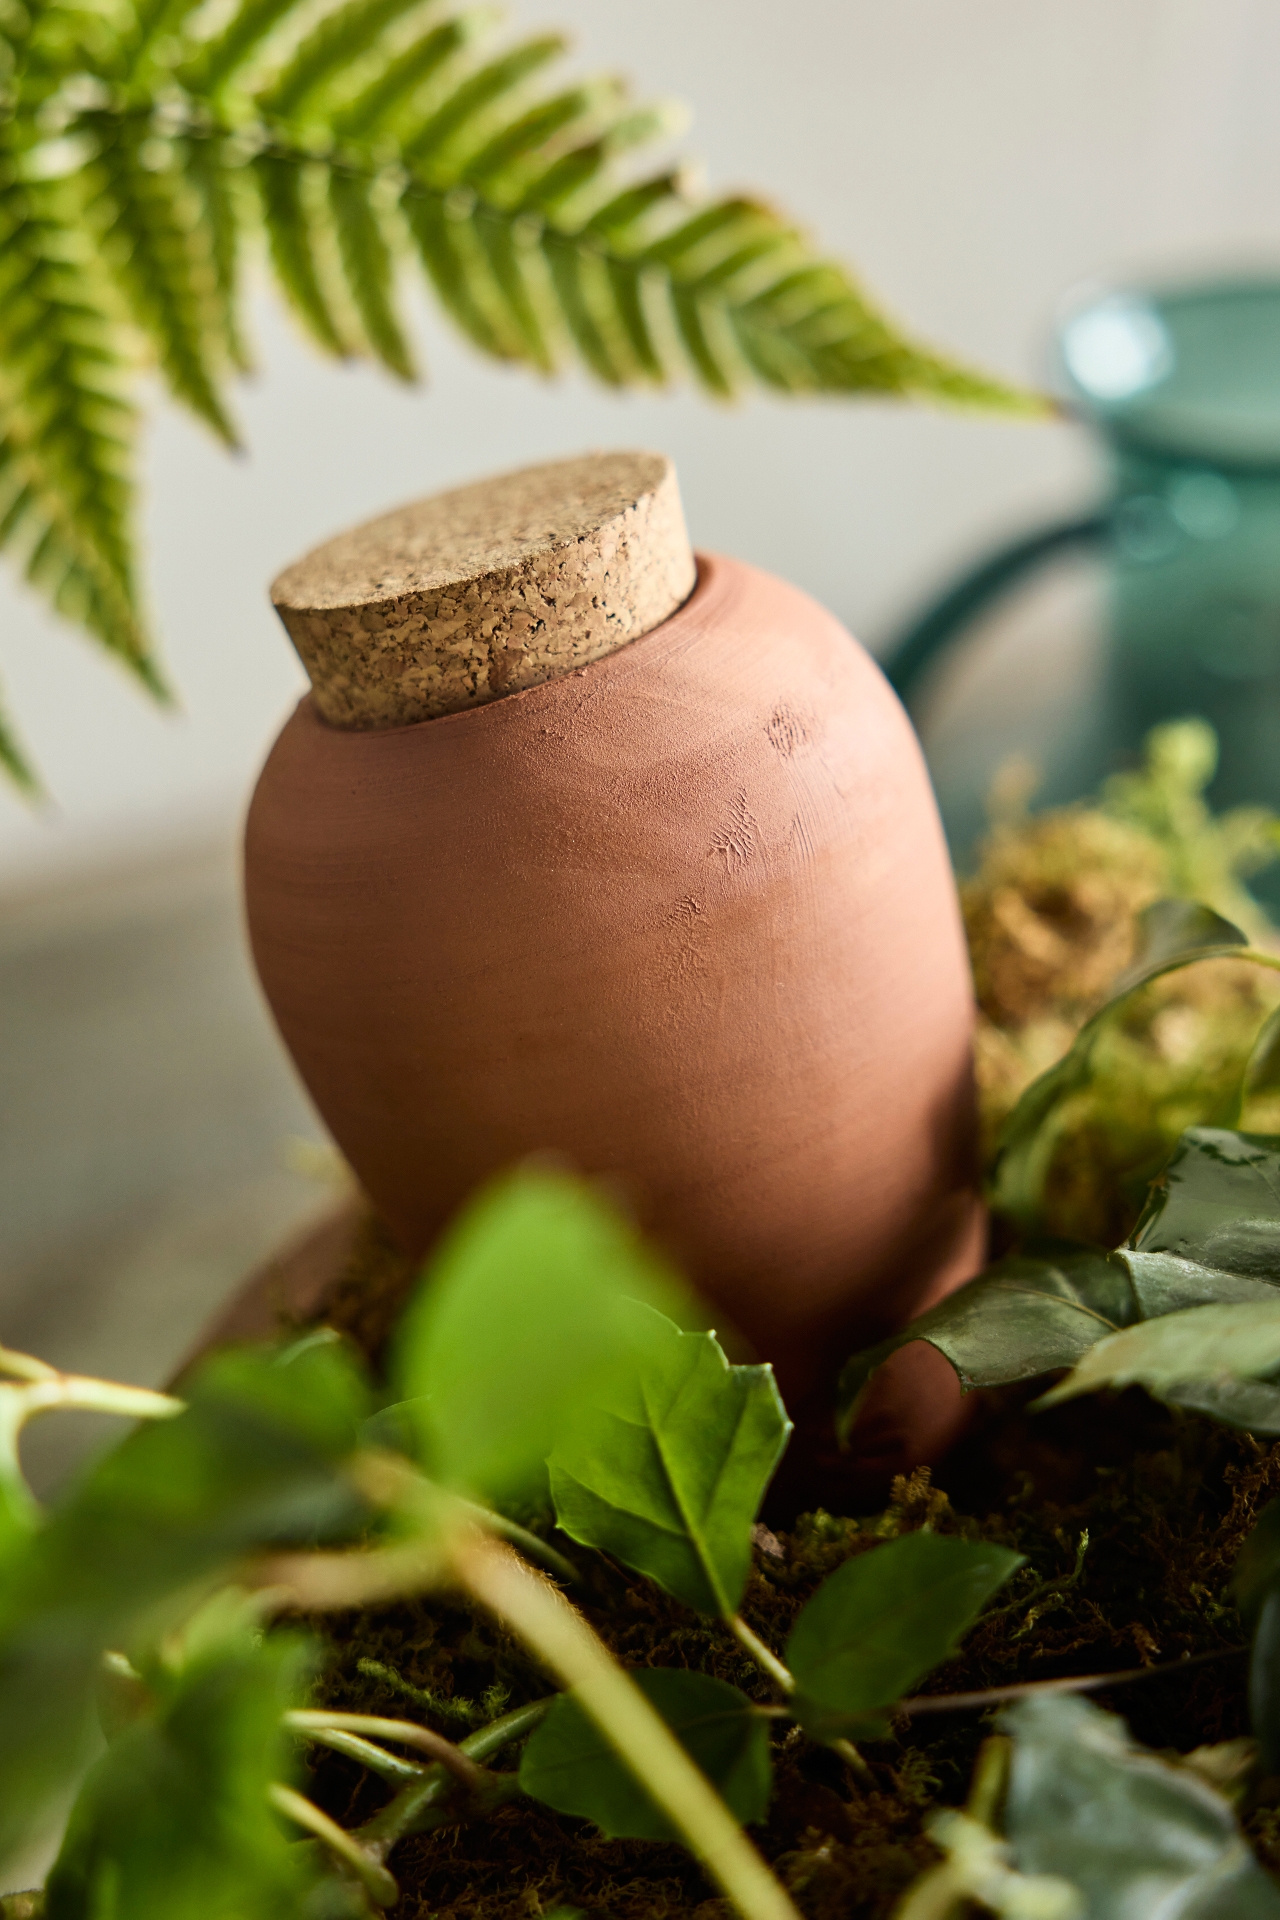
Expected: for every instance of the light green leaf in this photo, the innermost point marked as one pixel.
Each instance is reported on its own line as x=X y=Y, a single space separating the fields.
x=1214 y=1345
x=1137 y=1834
x=667 y=1469
x=173 y=1822
x=522 y=1317
x=882 y=1621
x=569 y=1765
x=254 y=1461
x=1171 y=934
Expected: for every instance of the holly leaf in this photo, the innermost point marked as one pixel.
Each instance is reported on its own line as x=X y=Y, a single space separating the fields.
x=1171 y=934
x=1136 y=1834
x=666 y=1470
x=523 y=1316
x=569 y=1765
x=882 y=1621
x=1209 y=1237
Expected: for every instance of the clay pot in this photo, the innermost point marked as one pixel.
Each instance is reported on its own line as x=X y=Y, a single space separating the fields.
x=684 y=916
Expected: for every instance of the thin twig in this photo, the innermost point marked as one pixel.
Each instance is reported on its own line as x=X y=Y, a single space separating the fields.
x=407 y=1732
x=1076 y=1683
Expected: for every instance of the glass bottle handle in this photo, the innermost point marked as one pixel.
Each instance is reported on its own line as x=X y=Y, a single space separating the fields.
x=942 y=623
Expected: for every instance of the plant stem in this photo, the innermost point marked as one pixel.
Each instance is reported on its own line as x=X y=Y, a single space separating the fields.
x=559 y=1635
x=389 y=1766
x=379 y=1883
x=781 y=1676
x=407 y=1732
x=1078 y=1683
x=853 y=1760
x=422 y=1804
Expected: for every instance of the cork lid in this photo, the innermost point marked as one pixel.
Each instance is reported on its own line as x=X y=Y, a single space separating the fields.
x=488 y=589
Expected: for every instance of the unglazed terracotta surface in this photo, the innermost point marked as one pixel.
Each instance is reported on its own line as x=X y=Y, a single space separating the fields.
x=684 y=916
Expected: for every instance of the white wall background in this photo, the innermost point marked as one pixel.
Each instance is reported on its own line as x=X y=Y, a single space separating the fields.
x=974 y=158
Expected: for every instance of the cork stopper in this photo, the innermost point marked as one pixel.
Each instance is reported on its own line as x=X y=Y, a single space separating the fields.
x=488 y=589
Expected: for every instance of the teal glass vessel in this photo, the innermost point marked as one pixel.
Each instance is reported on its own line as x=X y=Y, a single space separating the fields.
x=1182 y=389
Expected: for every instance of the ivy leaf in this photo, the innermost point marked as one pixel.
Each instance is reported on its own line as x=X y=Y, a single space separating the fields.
x=1209 y=1357
x=1208 y=1237
x=883 y=1620
x=568 y=1764
x=173 y=1823
x=667 y=1470
x=524 y=1315
x=1137 y=1834
x=254 y=1461
x=1171 y=934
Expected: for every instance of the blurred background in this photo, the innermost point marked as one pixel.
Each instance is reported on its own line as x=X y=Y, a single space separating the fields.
x=976 y=160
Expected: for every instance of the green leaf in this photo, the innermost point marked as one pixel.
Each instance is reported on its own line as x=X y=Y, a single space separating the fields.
x=523 y=1317
x=667 y=1469
x=369 y=267
x=1256 y=1582
x=254 y=1461
x=1208 y=1237
x=1171 y=934
x=882 y=1621
x=1204 y=1352
x=163 y=259
x=173 y=1822
x=569 y=1765
x=1029 y=1313
x=1137 y=1834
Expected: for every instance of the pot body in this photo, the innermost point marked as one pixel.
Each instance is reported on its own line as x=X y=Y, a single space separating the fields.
x=684 y=917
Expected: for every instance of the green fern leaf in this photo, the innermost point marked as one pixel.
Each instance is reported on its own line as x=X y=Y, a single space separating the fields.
x=162 y=253
x=369 y=267
x=143 y=141
x=327 y=56
x=66 y=428
x=289 y=189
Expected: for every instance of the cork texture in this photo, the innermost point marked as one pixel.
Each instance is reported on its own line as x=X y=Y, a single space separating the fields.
x=488 y=589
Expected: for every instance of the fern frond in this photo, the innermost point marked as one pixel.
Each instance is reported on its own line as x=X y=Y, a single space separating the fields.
x=289 y=187
x=369 y=266
x=143 y=141
x=66 y=427
x=328 y=54
x=162 y=252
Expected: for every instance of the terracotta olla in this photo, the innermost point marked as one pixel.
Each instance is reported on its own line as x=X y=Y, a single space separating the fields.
x=683 y=915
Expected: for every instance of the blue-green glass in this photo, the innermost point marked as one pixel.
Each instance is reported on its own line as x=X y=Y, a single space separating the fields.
x=1183 y=389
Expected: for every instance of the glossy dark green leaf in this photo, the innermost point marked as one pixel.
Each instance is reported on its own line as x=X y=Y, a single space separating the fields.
x=667 y=1468
x=253 y=1462
x=1026 y=1315
x=1171 y=934
x=883 y=1620
x=570 y=1766
x=1138 y=1835
x=1208 y=1237
x=1256 y=1582
x=522 y=1318
x=173 y=1822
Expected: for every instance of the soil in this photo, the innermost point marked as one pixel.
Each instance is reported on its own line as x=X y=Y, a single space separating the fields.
x=1167 y=1500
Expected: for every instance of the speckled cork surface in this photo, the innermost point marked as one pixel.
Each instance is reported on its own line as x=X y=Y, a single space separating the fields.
x=485 y=590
